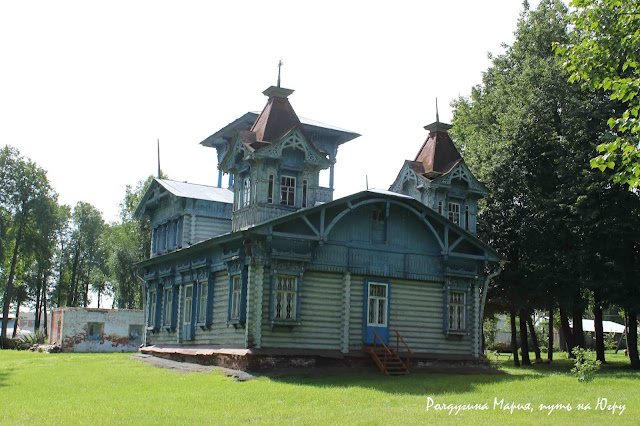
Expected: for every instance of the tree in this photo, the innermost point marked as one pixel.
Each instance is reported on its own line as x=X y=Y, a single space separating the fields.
x=604 y=56
x=129 y=243
x=24 y=188
x=529 y=134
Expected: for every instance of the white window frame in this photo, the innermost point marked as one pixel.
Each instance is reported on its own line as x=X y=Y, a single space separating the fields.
x=246 y=192
x=285 y=301
x=236 y=295
x=454 y=213
x=168 y=302
x=457 y=311
x=377 y=299
x=287 y=191
x=202 y=306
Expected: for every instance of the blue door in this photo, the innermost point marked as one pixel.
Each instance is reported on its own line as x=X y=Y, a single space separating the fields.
x=187 y=319
x=376 y=311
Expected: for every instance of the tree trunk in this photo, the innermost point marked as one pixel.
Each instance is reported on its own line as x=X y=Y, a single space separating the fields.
x=12 y=273
x=632 y=339
x=578 y=333
x=550 y=350
x=15 y=324
x=597 y=313
x=98 y=299
x=524 y=342
x=44 y=309
x=534 y=338
x=74 y=273
x=514 y=338
x=85 y=300
x=568 y=334
x=36 y=315
x=43 y=302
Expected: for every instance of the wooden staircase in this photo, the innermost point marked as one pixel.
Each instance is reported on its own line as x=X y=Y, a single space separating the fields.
x=387 y=359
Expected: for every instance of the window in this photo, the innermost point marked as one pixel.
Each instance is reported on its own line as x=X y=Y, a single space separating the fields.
x=466 y=218
x=152 y=309
x=454 y=213
x=270 y=190
x=377 y=301
x=246 y=192
x=456 y=311
x=94 y=331
x=188 y=303
x=135 y=334
x=202 y=312
x=378 y=226
x=167 y=307
x=287 y=191
x=236 y=295
x=440 y=207
x=285 y=301
x=305 y=185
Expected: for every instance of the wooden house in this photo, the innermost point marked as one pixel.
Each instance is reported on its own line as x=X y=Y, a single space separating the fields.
x=274 y=270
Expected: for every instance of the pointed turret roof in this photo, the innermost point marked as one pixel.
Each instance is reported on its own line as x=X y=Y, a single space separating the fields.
x=438 y=155
x=277 y=118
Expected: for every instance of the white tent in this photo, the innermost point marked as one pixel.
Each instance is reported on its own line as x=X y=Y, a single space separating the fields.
x=608 y=326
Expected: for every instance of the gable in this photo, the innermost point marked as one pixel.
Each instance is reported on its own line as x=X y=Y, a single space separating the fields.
x=294 y=141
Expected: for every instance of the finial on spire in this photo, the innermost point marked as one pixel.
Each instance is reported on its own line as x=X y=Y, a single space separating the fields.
x=437 y=116
x=279 y=66
x=159 y=175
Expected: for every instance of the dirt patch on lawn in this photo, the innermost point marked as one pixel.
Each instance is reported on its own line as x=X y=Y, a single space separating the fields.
x=189 y=367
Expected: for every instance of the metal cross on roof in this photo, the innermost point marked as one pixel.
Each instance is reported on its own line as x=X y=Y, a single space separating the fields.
x=279 y=66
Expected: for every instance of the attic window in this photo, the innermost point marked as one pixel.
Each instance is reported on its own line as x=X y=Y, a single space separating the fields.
x=287 y=191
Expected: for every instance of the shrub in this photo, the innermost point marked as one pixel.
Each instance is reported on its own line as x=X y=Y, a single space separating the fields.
x=585 y=367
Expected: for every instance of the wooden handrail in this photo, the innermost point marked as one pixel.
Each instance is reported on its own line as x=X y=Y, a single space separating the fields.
x=386 y=349
x=409 y=351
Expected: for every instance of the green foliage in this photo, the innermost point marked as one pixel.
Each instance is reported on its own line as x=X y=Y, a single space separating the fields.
x=585 y=367
x=604 y=56
x=129 y=243
x=29 y=340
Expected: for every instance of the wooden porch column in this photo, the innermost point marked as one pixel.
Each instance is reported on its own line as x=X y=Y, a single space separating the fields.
x=477 y=329
x=346 y=310
x=255 y=288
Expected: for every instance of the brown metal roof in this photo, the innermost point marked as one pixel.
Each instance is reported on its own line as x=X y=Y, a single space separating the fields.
x=276 y=119
x=438 y=153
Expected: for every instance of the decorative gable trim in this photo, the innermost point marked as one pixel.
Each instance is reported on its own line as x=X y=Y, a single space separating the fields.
x=295 y=139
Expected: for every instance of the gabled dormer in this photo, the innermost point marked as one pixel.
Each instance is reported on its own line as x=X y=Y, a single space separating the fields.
x=275 y=164
x=439 y=178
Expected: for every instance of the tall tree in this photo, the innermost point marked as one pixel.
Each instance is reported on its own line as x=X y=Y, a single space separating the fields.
x=24 y=187
x=130 y=243
x=529 y=134
x=604 y=56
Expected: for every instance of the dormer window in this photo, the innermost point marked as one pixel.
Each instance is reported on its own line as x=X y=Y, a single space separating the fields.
x=246 y=192
x=454 y=213
x=287 y=191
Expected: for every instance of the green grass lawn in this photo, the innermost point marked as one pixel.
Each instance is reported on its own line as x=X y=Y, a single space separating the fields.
x=112 y=388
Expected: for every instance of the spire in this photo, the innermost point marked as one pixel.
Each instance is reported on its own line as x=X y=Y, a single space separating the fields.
x=279 y=66
x=159 y=175
x=437 y=116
